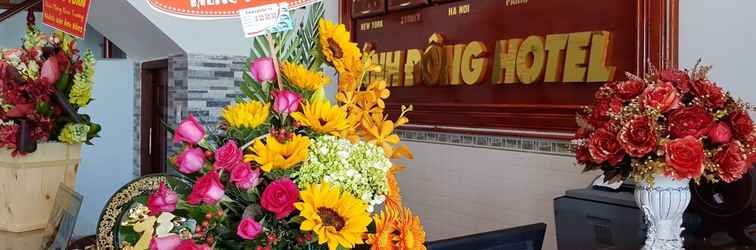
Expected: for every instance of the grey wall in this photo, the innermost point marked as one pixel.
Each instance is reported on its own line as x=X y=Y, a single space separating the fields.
x=13 y=30
x=722 y=33
x=107 y=165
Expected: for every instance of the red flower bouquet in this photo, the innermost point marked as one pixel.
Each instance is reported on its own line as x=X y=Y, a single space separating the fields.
x=42 y=87
x=676 y=123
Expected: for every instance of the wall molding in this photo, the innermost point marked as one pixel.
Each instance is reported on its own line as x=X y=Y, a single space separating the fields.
x=496 y=142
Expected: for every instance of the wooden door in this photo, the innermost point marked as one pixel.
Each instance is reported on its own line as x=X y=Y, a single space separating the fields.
x=154 y=101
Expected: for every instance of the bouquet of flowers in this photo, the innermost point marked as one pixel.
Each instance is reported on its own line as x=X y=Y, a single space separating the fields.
x=675 y=123
x=288 y=169
x=42 y=87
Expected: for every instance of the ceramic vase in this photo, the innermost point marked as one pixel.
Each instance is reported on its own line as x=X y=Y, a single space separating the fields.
x=663 y=204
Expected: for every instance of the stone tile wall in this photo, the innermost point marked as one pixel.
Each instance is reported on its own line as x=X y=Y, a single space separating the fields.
x=198 y=84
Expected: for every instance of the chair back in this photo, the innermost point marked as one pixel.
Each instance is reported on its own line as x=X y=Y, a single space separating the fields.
x=528 y=237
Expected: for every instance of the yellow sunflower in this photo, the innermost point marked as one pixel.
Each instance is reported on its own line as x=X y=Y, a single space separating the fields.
x=249 y=114
x=335 y=45
x=277 y=155
x=321 y=116
x=336 y=217
x=299 y=76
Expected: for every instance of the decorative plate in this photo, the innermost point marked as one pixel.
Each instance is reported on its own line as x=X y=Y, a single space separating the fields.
x=112 y=229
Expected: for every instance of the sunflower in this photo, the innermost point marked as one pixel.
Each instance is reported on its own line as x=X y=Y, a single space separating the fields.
x=335 y=45
x=337 y=217
x=248 y=114
x=323 y=117
x=299 y=76
x=277 y=155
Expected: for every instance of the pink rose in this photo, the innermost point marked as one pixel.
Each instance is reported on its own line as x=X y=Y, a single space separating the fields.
x=279 y=197
x=208 y=190
x=248 y=229
x=285 y=101
x=164 y=200
x=191 y=160
x=170 y=242
x=227 y=156
x=244 y=177
x=720 y=133
x=190 y=245
x=50 y=71
x=263 y=70
x=662 y=96
x=189 y=131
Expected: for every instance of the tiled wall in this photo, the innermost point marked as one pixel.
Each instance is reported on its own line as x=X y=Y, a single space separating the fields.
x=462 y=187
x=198 y=84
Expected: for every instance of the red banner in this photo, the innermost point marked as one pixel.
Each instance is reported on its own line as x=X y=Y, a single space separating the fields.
x=69 y=16
x=215 y=9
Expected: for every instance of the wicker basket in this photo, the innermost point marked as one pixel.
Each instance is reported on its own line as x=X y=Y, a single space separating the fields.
x=28 y=184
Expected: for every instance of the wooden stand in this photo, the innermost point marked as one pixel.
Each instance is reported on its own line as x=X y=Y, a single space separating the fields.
x=28 y=184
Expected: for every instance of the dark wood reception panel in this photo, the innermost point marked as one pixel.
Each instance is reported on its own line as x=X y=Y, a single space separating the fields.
x=510 y=65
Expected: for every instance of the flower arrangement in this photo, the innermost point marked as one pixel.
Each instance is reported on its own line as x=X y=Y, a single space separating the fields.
x=288 y=169
x=43 y=86
x=675 y=123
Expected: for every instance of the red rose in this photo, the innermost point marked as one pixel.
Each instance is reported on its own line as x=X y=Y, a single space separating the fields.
x=710 y=93
x=741 y=124
x=581 y=151
x=685 y=157
x=603 y=146
x=638 y=137
x=227 y=156
x=208 y=189
x=662 y=96
x=678 y=78
x=602 y=109
x=732 y=163
x=630 y=89
x=720 y=133
x=279 y=197
x=692 y=121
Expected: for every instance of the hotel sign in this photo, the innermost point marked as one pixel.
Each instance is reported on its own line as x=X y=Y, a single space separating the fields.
x=525 y=65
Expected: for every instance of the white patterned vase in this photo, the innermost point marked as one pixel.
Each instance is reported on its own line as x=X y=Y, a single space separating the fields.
x=663 y=205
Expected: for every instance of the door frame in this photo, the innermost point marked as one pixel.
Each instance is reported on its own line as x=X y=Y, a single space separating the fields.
x=153 y=110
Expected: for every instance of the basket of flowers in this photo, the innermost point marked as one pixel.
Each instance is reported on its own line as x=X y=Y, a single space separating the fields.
x=43 y=86
x=286 y=168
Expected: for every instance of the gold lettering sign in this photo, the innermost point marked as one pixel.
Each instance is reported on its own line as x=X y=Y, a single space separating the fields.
x=562 y=57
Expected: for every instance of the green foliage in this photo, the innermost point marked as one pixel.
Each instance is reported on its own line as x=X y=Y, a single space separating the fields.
x=296 y=45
